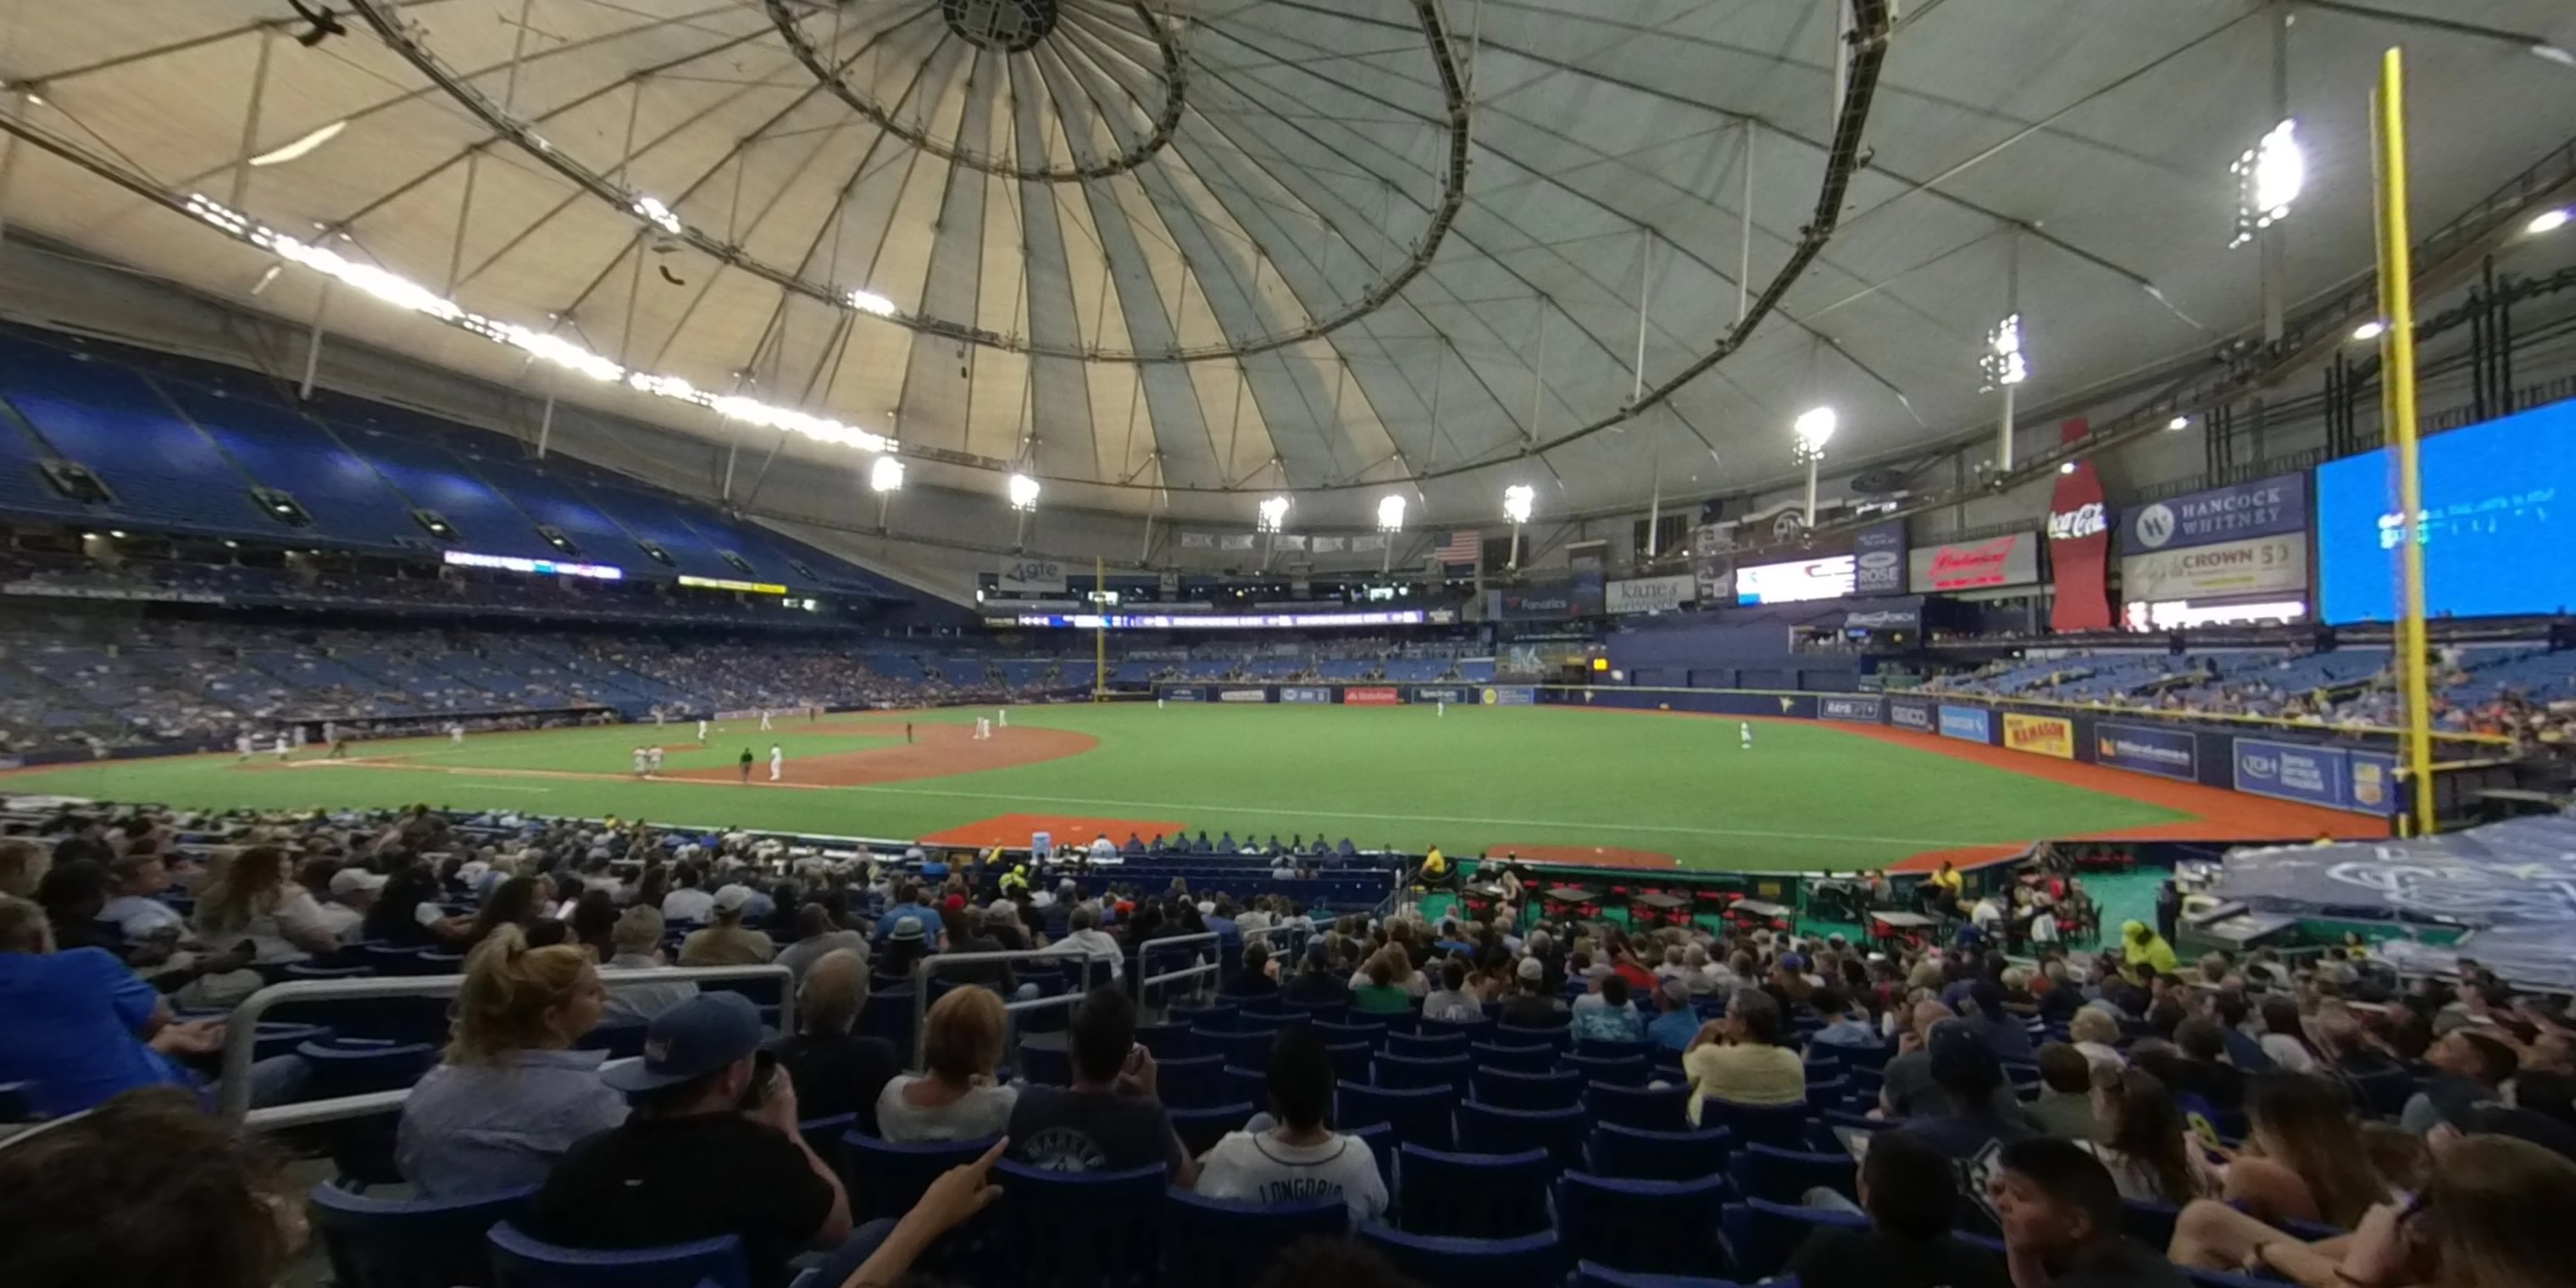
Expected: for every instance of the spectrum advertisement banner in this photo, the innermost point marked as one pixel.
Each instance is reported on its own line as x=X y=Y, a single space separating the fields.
x=2273 y=507
x=1305 y=693
x=1370 y=697
x=2040 y=735
x=1857 y=710
x=1910 y=713
x=2166 y=753
x=1511 y=695
x=1968 y=724
x=1184 y=694
x=1440 y=695
x=1878 y=560
x=1243 y=695
x=2334 y=777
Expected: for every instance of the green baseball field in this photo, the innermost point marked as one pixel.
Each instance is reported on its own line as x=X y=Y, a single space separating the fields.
x=1628 y=788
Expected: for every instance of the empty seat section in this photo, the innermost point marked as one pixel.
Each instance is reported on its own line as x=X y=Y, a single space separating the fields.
x=162 y=468
x=346 y=498
x=553 y=501
x=655 y=520
x=433 y=479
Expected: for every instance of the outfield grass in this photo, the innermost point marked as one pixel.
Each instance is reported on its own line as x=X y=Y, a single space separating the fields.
x=1806 y=796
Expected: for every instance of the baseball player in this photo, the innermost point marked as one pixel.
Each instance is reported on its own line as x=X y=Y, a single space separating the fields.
x=246 y=745
x=764 y=719
x=653 y=760
x=456 y=733
x=1002 y=718
x=702 y=731
x=283 y=747
x=777 y=761
x=640 y=762
x=746 y=764
x=1747 y=727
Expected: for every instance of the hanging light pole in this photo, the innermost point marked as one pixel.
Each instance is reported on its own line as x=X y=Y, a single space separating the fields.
x=1813 y=428
x=1024 y=498
x=1274 y=516
x=885 y=478
x=1516 y=507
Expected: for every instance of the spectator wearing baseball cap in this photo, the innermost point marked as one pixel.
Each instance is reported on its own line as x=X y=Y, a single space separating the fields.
x=1675 y=1023
x=1967 y=1119
x=727 y=942
x=353 y=892
x=711 y=1149
x=1530 y=1006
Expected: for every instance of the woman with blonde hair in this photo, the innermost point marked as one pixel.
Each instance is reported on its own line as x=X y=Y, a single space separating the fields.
x=22 y=865
x=2097 y=1035
x=252 y=897
x=511 y=1096
x=955 y=1099
x=2304 y=1159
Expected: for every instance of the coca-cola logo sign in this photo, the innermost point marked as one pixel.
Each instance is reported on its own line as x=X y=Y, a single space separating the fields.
x=2083 y=521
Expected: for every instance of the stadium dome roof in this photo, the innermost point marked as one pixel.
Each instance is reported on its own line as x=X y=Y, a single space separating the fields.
x=1181 y=254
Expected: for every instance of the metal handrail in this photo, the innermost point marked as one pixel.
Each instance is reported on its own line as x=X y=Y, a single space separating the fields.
x=929 y=965
x=1211 y=938
x=241 y=1027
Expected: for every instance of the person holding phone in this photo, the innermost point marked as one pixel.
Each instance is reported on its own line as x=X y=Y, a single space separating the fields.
x=711 y=1149
x=1110 y=1118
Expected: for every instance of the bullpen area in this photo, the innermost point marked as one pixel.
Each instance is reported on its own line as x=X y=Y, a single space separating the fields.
x=1625 y=788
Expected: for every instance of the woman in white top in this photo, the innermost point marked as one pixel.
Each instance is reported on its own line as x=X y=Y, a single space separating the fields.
x=2285 y=1036
x=956 y=1099
x=2144 y=1142
x=253 y=900
x=1290 y=1155
x=2096 y=1034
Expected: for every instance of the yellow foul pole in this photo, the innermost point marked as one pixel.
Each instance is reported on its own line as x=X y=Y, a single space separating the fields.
x=1099 y=632
x=2397 y=413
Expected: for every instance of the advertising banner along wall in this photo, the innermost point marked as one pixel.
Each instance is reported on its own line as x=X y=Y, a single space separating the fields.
x=1651 y=594
x=1043 y=575
x=1370 y=697
x=1243 y=695
x=1857 y=710
x=2008 y=560
x=2269 y=566
x=1910 y=713
x=2040 y=735
x=1968 y=724
x=2335 y=777
x=1304 y=693
x=2166 y=753
x=1511 y=695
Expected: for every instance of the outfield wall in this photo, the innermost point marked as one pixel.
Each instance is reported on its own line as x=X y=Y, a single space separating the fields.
x=2339 y=770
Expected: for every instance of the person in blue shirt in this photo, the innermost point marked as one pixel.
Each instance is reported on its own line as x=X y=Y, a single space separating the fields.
x=1612 y=1019
x=1225 y=844
x=1675 y=1023
x=1840 y=1028
x=78 y=1027
x=907 y=907
x=1134 y=848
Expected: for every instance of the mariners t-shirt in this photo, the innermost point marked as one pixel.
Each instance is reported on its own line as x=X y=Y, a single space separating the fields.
x=1254 y=1167
x=1062 y=1130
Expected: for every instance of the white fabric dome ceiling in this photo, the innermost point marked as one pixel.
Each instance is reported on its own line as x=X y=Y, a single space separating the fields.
x=1181 y=254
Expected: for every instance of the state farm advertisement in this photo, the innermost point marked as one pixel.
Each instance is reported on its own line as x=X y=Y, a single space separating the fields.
x=1366 y=697
x=2008 y=560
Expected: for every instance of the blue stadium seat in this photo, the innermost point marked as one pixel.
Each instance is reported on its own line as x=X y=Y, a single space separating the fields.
x=2150 y=1223
x=1477 y=1196
x=1626 y=1071
x=1250 y=1086
x=1475 y=1030
x=1660 y=1155
x=350 y=1067
x=621 y=1040
x=1404 y=1074
x=1831 y=1093
x=1531 y=1261
x=1781 y=1125
x=1197 y=1082
x=885 y=1178
x=1352 y=1062
x=1592 y=1275
x=1491 y=1129
x=1075 y=1229
x=1380 y=1138
x=1339 y=1034
x=1784 y=1176
x=1210 y=1241
x=519 y=1261
x=1201 y=1129
x=1504 y=1089
x=1419 y=1117
x=409 y=1243
x=1558 y=1036
x=1650 y=1227
x=15 y=1103
x=1216 y=1017
x=1045 y=1065
x=1245 y=1048
x=1652 y=1108
x=1604 y=1049
x=1760 y=1235
x=1167 y=1041
x=1327 y=1012
x=1427 y=1046
x=1536 y=1057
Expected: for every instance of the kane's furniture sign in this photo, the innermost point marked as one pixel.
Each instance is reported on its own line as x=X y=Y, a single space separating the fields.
x=1652 y=594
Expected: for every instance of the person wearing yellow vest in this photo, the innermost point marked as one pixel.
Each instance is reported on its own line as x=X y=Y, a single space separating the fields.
x=1435 y=873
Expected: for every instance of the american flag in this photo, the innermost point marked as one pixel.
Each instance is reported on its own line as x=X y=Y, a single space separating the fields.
x=1461 y=548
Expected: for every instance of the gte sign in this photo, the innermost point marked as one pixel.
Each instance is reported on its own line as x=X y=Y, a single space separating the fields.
x=2083 y=521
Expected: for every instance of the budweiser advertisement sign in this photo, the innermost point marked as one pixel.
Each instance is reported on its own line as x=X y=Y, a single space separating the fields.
x=2079 y=545
x=2009 y=560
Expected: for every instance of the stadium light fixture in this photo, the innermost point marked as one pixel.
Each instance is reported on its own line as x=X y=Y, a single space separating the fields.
x=659 y=215
x=1517 y=500
x=1024 y=492
x=1813 y=428
x=302 y=147
x=871 y=303
x=886 y=475
x=2178 y=423
x=2269 y=178
x=1274 y=513
x=2548 y=221
x=2370 y=330
x=1390 y=514
x=2002 y=360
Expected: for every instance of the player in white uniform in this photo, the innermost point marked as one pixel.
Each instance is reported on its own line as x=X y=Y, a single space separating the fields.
x=653 y=760
x=764 y=719
x=1747 y=727
x=246 y=745
x=702 y=731
x=1002 y=718
x=640 y=762
x=777 y=761
x=282 y=747
x=1443 y=704
x=456 y=734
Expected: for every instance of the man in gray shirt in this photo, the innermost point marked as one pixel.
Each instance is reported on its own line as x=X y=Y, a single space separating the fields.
x=815 y=936
x=638 y=941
